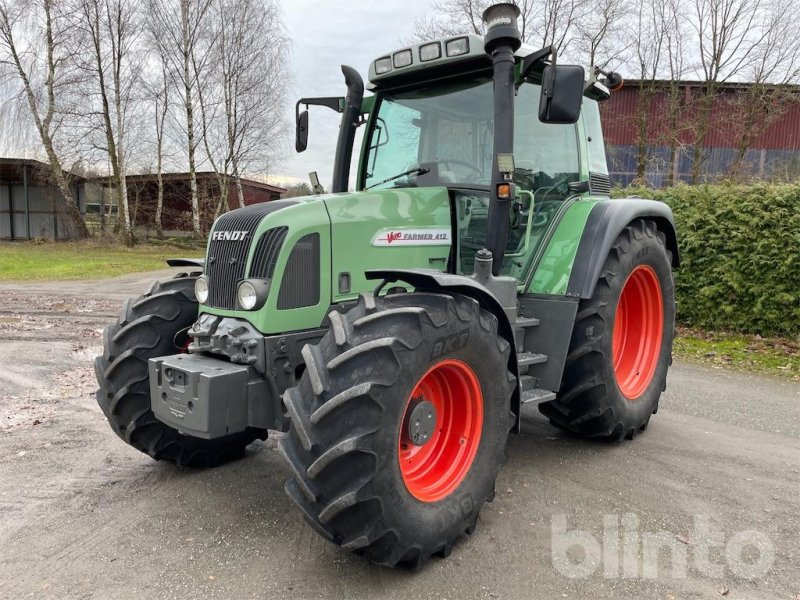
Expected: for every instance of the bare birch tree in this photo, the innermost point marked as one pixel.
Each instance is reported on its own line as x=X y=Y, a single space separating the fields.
x=726 y=36
x=670 y=132
x=161 y=103
x=254 y=75
x=179 y=28
x=774 y=66
x=654 y=20
x=243 y=91
x=111 y=30
x=558 y=21
x=41 y=49
x=600 y=32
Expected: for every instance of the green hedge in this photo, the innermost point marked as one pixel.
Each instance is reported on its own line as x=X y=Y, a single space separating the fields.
x=740 y=256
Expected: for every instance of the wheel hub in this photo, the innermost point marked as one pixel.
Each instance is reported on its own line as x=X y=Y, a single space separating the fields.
x=420 y=421
x=441 y=430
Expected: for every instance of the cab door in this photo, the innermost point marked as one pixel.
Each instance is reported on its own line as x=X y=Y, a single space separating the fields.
x=546 y=161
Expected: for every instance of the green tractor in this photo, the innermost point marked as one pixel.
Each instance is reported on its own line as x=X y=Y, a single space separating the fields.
x=398 y=333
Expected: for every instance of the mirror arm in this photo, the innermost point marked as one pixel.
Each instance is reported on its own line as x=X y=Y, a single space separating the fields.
x=530 y=61
x=548 y=83
x=335 y=103
x=578 y=187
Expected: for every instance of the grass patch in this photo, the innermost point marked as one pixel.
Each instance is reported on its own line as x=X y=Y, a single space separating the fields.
x=774 y=356
x=32 y=261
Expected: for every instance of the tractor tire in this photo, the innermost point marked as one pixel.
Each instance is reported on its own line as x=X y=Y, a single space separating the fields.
x=149 y=326
x=621 y=345
x=357 y=477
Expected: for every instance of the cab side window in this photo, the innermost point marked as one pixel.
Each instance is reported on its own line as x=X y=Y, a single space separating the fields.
x=545 y=154
x=546 y=160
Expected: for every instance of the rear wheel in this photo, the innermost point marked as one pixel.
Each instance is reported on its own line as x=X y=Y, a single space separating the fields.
x=149 y=326
x=399 y=425
x=621 y=345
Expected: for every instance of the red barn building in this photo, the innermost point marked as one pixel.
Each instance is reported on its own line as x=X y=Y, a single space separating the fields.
x=670 y=133
x=177 y=209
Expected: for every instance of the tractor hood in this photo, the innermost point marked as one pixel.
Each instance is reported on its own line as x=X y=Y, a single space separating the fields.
x=380 y=229
x=314 y=250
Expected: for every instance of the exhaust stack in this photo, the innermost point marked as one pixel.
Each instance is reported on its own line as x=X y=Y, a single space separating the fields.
x=502 y=39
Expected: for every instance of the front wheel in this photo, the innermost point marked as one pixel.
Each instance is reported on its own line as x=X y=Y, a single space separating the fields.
x=399 y=425
x=621 y=345
x=150 y=326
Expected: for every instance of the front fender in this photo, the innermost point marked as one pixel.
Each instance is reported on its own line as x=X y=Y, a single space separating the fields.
x=187 y=262
x=606 y=221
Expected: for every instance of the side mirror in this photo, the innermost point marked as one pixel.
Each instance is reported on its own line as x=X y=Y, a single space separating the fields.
x=301 y=132
x=562 y=94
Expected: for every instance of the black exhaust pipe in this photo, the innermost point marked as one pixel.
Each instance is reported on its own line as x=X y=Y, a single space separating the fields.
x=347 y=130
x=502 y=39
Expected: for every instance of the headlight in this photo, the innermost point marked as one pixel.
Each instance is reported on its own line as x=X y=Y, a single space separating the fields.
x=252 y=293
x=402 y=58
x=430 y=51
x=383 y=65
x=457 y=47
x=246 y=294
x=201 y=289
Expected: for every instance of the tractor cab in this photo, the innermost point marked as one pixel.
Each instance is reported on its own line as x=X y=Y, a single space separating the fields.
x=441 y=134
x=431 y=123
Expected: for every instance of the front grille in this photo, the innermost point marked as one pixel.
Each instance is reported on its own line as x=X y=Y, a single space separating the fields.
x=300 y=285
x=599 y=184
x=266 y=254
x=227 y=258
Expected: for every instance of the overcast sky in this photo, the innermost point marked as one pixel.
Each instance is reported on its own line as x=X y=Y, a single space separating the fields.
x=326 y=34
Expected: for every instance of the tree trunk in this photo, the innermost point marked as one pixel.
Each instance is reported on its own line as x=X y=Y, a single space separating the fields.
x=240 y=191
x=160 y=200
x=237 y=176
x=130 y=223
x=643 y=112
x=701 y=129
x=735 y=170
x=673 y=148
x=222 y=201
x=187 y=90
x=673 y=116
x=60 y=179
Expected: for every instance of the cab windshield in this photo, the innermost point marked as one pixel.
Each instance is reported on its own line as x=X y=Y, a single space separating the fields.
x=436 y=135
x=442 y=135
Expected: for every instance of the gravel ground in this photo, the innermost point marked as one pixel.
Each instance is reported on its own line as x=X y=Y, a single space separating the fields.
x=83 y=515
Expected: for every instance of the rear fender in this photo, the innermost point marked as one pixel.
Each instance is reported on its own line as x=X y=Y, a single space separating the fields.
x=606 y=221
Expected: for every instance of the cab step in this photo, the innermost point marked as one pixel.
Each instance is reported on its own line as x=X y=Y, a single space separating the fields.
x=525 y=359
x=527 y=322
x=536 y=396
x=530 y=395
x=521 y=325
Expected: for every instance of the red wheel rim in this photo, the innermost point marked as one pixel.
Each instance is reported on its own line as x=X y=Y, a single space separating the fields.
x=432 y=471
x=638 y=331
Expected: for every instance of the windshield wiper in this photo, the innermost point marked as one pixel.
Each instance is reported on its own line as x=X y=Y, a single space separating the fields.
x=417 y=171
